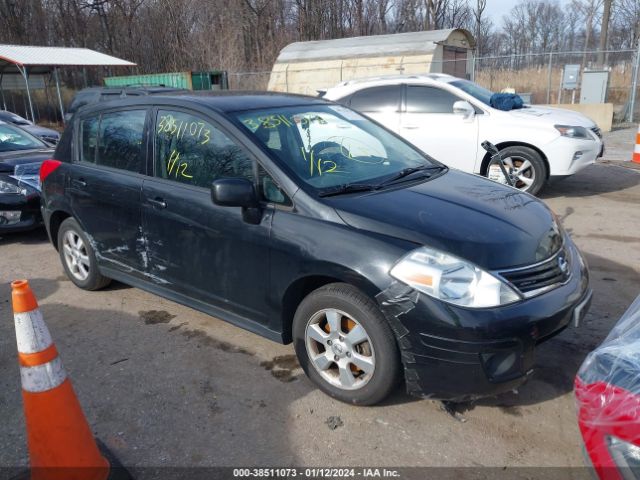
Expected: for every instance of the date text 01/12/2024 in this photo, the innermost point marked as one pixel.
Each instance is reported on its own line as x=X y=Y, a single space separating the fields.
x=365 y=473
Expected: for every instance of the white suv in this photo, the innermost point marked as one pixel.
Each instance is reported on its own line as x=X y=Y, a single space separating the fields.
x=448 y=118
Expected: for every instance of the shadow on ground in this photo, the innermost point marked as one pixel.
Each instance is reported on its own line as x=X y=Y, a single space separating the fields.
x=39 y=235
x=594 y=180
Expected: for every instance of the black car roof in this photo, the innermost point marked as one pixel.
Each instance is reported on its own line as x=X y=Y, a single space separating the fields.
x=219 y=101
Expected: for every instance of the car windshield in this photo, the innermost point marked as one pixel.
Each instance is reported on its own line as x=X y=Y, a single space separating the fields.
x=475 y=90
x=13 y=138
x=329 y=146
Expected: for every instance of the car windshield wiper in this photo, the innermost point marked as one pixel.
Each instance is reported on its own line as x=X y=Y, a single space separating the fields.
x=348 y=188
x=406 y=172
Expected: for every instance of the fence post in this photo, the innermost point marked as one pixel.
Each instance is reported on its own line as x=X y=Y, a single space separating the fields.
x=473 y=67
x=549 y=78
x=634 y=84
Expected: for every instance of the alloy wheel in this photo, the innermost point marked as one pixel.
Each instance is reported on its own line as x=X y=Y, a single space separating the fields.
x=76 y=255
x=340 y=349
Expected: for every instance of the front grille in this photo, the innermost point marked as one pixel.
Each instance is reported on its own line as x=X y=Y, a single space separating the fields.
x=597 y=131
x=542 y=276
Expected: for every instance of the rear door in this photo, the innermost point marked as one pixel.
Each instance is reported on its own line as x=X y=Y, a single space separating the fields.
x=429 y=123
x=380 y=103
x=106 y=181
x=202 y=250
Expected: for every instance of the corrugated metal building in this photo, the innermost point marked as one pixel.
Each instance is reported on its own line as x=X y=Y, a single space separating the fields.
x=306 y=67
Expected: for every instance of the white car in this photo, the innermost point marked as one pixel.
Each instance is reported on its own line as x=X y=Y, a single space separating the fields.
x=448 y=118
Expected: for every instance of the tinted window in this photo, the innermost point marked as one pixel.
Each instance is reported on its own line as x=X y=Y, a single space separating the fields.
x=429 y=100
x=191 y=150
x=270 y=190
x=377 y=99
x=120 y=140
x=89 y=135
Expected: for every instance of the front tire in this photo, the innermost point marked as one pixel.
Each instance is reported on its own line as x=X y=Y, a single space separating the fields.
x=526 y=165
x=78 y=257
x=345 y=345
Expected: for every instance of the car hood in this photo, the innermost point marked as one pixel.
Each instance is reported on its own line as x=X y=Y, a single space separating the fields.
x=557 y=116
x=8 y=160
x=491 y=225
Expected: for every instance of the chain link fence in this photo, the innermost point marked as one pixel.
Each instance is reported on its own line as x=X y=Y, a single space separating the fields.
x=537 y=76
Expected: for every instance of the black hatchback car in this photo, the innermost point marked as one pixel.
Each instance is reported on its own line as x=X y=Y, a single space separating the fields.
x=305 y=222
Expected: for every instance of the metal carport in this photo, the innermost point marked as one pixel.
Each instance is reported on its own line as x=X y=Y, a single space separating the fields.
x=30 y=60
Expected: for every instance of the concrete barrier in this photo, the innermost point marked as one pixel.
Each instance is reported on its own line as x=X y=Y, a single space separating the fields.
x=601 y=113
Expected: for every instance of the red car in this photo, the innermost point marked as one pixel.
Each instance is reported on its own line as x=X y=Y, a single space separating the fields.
x=607 y=390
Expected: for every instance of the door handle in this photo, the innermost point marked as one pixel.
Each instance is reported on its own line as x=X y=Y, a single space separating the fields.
x=157 y=202
x=410 y=127
x=79 y=182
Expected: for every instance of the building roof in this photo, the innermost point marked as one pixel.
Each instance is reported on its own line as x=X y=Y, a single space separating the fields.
x=374 y=45
x=42 y=59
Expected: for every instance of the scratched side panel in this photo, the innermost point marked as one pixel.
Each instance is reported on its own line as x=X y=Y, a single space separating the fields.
x=206 y=251
x=108 y=209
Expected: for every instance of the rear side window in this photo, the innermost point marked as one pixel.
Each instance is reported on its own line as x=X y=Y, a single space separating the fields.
x=429 y=100
x=377 y=99
x=120 y=140
x=192 y=151
x=89 y=135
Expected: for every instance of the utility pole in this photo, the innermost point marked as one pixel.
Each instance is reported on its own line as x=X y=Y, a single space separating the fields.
x=604 y=31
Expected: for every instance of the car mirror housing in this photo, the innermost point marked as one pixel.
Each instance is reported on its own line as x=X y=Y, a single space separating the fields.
x=234 y=192
x=464 y=108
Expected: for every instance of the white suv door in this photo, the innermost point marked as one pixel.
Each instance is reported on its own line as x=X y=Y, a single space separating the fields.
x=380 y=103
x=430 y=124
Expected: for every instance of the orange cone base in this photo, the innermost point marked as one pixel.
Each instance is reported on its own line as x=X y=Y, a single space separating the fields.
x=636 y=158
x=61 y=444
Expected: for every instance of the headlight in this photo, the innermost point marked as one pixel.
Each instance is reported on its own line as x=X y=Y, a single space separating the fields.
x=626 y=455
x=574 y=132
x=6 y=187
x=451 y=279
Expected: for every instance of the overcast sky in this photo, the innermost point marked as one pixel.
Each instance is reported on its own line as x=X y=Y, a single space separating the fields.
x=497 y=8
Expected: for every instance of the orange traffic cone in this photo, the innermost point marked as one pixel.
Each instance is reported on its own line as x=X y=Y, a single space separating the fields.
x=61 y=445
x=636 y=149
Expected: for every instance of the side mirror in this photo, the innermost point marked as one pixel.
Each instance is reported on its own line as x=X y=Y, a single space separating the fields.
x=464 y=108
x=234 y=192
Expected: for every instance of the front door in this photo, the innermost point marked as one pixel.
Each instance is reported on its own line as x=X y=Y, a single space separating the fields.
x=106 y=183
x=202 y=250
x=430 y=124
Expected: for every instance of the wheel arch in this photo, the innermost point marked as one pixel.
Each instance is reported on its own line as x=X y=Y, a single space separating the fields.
x=55 y=220
x=503 y=145
x=303 y=286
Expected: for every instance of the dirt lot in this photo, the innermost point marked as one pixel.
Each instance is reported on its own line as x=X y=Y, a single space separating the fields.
x=164 y=385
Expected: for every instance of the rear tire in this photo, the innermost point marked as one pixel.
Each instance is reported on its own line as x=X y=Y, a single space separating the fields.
x=529 y=179
x=345 y=345
x=78 y=257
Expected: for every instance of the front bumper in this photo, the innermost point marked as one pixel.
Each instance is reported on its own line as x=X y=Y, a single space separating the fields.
x=458 y=354
x=29 y=208
x=567 y=156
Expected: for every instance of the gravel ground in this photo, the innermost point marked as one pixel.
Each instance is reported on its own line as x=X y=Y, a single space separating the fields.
x=164 y=385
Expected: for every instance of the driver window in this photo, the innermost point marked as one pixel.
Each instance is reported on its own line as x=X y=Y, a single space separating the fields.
x=429 y=100
x=192 y=151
